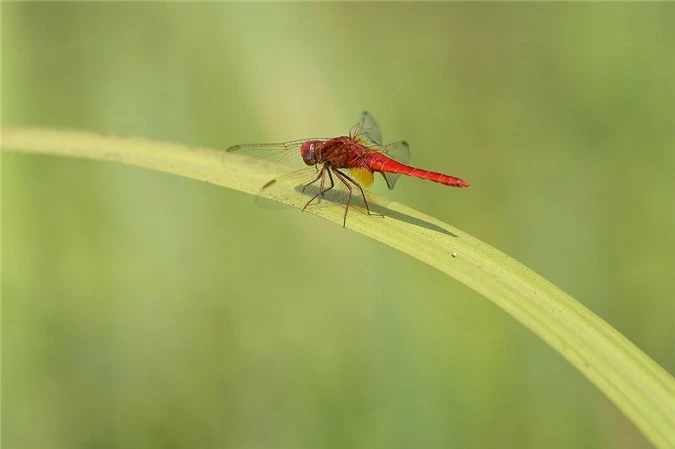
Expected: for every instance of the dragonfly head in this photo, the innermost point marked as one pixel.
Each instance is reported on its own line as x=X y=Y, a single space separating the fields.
x=308 y=151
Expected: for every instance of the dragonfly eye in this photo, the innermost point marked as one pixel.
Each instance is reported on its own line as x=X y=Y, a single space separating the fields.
x=308 y=153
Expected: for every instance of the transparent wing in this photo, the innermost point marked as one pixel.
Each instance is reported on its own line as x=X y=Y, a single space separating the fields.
x=288 y=188
x=367 y=129
x=398 y=151
x=284 y=154
x=362 y=175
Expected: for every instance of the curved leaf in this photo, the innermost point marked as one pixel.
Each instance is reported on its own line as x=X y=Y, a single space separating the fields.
x=635 y=383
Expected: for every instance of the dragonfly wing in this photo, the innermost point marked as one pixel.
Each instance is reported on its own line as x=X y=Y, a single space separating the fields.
x=362 y=175
x=367 y=130
x=284 y=154
x=400 y=152
x=285 y=188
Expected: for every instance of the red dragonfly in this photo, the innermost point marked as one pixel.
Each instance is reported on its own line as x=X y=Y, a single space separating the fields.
x=352 y=159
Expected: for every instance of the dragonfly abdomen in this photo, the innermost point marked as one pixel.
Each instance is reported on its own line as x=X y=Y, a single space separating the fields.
x=381 y=163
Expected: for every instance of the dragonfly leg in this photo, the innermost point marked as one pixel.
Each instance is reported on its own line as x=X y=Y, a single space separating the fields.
x=322 y=176
x=363 y=195
x=319 y=176
x=332 y=184
x=341 y=176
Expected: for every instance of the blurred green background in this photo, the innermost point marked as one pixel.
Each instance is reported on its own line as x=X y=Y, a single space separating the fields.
x=145 y=310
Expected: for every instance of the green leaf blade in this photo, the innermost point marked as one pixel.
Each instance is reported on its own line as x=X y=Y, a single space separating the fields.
x=638 y=386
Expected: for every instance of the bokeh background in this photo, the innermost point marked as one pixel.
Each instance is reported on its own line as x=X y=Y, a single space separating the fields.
x=145 y=310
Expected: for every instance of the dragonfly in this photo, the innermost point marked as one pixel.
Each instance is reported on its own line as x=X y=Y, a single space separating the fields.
x=351 y=160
